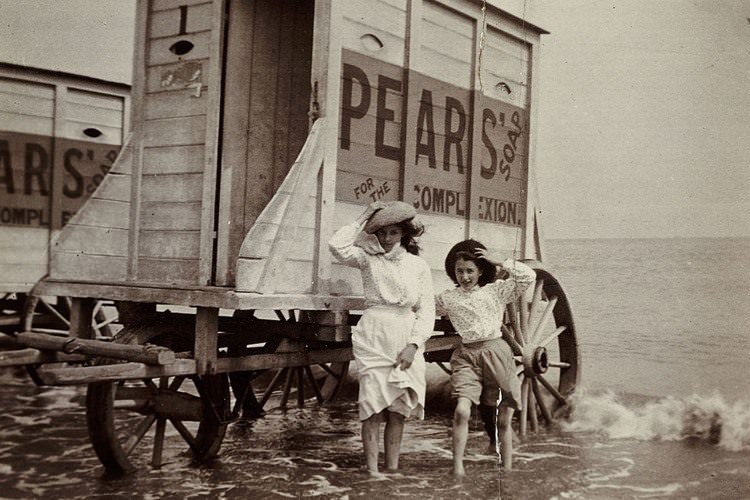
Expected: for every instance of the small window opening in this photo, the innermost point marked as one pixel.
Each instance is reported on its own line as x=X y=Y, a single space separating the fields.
x=371 y=42
x=181 y=47
x=503 y=88
x=92 y=132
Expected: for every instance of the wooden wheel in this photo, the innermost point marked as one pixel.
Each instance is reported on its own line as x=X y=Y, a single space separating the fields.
x=11 y=308
x=51 y=315
x=542 y=335
x=128 y=416
x=322 y=381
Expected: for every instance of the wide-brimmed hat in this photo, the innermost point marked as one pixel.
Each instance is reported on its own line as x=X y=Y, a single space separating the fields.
x=393 y=213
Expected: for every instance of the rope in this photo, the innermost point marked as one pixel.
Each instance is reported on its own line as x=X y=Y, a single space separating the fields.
x=482 y=41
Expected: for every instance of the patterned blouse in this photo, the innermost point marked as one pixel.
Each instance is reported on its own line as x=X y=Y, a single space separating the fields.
x=395 y=278
x=477 y=314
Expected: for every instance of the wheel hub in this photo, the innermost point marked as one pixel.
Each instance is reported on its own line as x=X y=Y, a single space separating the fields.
x=535 y=361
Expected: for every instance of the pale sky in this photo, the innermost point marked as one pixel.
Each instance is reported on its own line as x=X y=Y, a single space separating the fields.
x=644 y=125
x=644 y=105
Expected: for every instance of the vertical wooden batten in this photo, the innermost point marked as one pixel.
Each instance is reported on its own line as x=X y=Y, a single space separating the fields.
x=476 y=132
x=325 y=77
x=533 y=241
x=235 y=125
x=412 y=93
x=138 y=94
x=57 y=176
x=210 y=197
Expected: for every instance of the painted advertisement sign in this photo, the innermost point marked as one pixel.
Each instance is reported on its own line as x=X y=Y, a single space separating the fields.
x=45 y=180
x=469 y=155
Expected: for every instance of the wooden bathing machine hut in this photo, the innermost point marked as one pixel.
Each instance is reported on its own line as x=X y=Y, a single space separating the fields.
x=59 y=135
x=258 y=128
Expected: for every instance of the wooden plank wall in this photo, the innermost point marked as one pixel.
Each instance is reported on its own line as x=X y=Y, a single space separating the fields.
x=25 y=107
x=445 y=52
x=506 y=76
x=266 y=103
x=174 y=114
x=381 y=36
x=76 y=121
x=93 y=246
x=441 y=45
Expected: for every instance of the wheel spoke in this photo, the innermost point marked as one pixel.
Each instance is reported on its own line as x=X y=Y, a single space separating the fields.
x=176 y=382
x=513 y=317
x=330 y=372
x=508 y=336
x=532 y=408
x=524 y=307
x=106 y=322
x=300 y=388
x=524 y=406
x=150 y=384
x=559 y=364
x=55 y=312
x=540 y=401
x=314 y=384
x=559 y=397
x=184 y=432
x=287 y=388
x=545 y=317
x=553 y=335
x=536 y=305
x=271 y=386
x=141 y=429
x=161 y=425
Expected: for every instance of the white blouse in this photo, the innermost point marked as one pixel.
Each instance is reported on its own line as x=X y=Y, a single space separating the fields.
x=396 y=278
x=478 y=314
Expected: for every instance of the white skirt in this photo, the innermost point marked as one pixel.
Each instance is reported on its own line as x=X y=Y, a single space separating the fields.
x=379 y=337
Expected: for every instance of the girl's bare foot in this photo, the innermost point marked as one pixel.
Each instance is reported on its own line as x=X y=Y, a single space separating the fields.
x=374 y=474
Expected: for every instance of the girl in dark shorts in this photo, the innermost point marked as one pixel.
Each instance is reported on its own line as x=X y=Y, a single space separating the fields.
x=476 y=307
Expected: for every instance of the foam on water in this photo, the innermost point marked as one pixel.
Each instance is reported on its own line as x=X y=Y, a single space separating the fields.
x=704 y=418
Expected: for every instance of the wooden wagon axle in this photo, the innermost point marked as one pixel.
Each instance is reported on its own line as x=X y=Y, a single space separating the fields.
x=72 y=375
x=148 y=354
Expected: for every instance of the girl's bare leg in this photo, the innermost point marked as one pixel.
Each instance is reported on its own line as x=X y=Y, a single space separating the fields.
x=460 y=434
x=370 y=438
x=394 y=431
x=504 y=419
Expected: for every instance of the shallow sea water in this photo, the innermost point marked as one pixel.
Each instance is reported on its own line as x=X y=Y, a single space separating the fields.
x=662 y=328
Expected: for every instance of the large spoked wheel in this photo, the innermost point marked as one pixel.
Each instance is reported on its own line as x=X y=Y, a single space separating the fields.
x=316 y=383
x=542 y=335
x=125 y=419
x=51 y=315
x=11 y=311
x=128 y=418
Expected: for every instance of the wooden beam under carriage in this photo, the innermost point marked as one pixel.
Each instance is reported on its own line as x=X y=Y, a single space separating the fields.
x=220 y=297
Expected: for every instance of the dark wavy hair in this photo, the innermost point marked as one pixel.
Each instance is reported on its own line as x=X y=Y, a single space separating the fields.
x=412 y=230
x=465 y=250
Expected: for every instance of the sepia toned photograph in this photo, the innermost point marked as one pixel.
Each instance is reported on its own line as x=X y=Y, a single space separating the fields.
x=429 y=249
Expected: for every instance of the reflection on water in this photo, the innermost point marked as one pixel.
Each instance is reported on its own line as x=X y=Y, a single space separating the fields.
x=315 y=452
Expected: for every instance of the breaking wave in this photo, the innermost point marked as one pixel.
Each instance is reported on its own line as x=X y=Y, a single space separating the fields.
x=704 y=418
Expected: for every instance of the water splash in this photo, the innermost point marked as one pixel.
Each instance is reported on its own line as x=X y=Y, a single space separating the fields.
x=705 y=418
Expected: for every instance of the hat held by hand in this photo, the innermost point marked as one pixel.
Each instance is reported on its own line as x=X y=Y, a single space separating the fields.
x=393 y=213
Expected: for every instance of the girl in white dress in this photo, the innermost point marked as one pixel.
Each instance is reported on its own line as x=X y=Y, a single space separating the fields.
x=388 y=342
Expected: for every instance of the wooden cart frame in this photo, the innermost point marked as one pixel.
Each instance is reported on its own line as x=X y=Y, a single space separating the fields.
x=218 y=262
